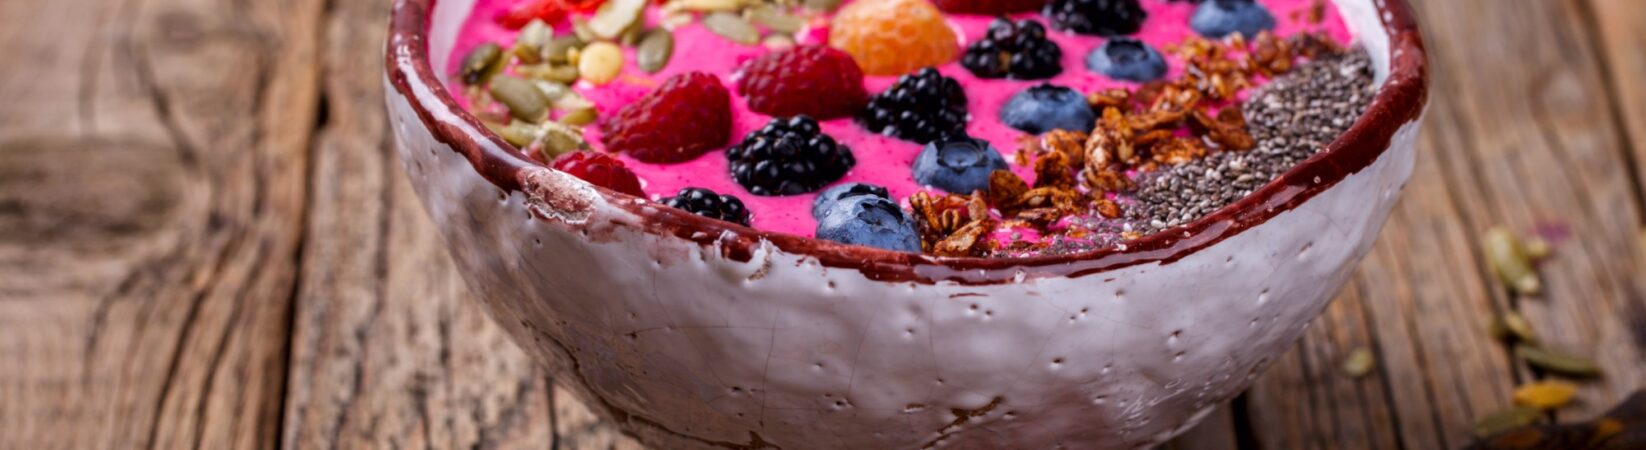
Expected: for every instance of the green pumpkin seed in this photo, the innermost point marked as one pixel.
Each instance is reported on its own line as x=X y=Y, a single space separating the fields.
x=524 y=100
x=579 y=117
x=1557 y=362
x=518 y=133
x=614 y=16
x=556 y=49
x=565 y=73
x=571 y=102
x=559 y=139
x=1511 y=326
x=775 y=19
x=705 y=5
x=1359 y=363
x=532 y=40
x=552 y=90
x=1507 y=419
x=580 y=28
x=822 y=5
x=654 y=50
x=1508 y=259
x=732 y=27
x=481 y=63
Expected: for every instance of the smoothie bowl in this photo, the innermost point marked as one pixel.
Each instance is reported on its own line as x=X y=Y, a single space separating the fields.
x=905 y=224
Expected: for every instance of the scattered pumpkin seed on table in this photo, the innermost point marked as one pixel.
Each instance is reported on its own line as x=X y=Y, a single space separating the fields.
x=1507 y=257
x=524 y=100
x=600 y=62
x=481 y=63
x=654 y=50
x=1545 y=395
x=1507 y=419
x=1511 y=326
x=1359 y=363
x=1557 y=362
x=732 y=26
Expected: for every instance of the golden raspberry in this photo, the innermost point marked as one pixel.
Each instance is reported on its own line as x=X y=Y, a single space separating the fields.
x=893 y=37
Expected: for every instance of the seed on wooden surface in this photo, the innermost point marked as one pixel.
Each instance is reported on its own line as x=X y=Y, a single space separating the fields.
x=559 y=139
x=732 y=27
x=556 y=49
x=1359 y=363
x=1511 y=326
x=530 y=44
x=600 y=62
x=518 y=133
x=579 y=117
x=1507 y=419
x=614 y=16
x=524 y=100
x=1545 y=395
x=654 y=50
x=775 y=19
x=1507 y=258
x=1537 y=248
x=481 y=63
x=1557 y=362
x=777 y=41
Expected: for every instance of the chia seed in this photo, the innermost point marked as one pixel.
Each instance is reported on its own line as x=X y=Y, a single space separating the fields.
x=1292 y=117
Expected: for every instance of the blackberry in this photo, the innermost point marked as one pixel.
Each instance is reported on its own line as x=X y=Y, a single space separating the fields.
x=920 y=107
x=1014 y=50
x=1099 y=17
x=707 y=203
x=788 y=157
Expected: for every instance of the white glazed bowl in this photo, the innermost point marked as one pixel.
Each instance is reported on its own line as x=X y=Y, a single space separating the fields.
x=692 y=333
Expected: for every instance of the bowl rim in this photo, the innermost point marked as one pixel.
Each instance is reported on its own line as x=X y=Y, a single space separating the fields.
x=1399 y=101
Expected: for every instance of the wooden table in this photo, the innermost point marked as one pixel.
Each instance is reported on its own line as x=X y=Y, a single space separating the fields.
x=208 y=242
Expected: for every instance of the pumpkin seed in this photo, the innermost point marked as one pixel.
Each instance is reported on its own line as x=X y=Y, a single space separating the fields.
x=614 y=16
x=822 y=5
x=555 y=50
x=1545 y=395
x=1537 y=248
x=481 y=63
x=552 y=90
x=525 y=102
x=1359 y=363
x=1508 y=259
x=777 y=41
x=565 y=73
x=676 y=19
x=559 y=139
x=518 y=133
x=654 y=50
x=571 y=102
x=1511 y=326
x=532 y=41
x=600 y=62
x=580 y=28
x=579 y=117
x=1557 y=362
x=732 y=27
x=1507 y=419
x=706 y=5
x=775 y=19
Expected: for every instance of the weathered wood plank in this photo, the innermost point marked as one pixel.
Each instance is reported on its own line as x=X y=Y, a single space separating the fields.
x=152 y=170
x=389 y=348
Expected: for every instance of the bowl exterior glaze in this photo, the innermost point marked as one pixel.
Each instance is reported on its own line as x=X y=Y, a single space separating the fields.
x=695 y=336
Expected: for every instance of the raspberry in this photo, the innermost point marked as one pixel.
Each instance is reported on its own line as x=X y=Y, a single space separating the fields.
x=813 y=80
x=707 y=203
x=920 y=107
x=893 y=37
x=1015 y=50
x=788 y=157
x=688 y=115
x=988 y=7
x=1099 y=17
x=600 y=169
x=522 y=13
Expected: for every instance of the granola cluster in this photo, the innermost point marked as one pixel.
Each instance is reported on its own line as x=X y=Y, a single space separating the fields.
x=1077 y=174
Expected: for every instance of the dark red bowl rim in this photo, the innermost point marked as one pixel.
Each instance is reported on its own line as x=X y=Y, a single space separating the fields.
x=1399 y=101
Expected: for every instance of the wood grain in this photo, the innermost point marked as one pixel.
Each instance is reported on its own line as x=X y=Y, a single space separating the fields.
x=153 y=156
x=208 y=242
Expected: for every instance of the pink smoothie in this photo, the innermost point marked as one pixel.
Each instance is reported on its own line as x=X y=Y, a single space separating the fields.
x=881 y=160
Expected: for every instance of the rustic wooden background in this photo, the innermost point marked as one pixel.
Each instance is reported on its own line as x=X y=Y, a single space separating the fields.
x=206 y=242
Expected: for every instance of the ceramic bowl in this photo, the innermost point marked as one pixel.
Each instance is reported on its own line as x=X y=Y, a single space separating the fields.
x=693 y=333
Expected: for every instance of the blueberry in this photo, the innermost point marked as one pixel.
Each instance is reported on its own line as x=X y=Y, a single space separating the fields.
x=871 y=221
x=959 y=164
x=1127 y=59
x=840 y=192
x=1219 y=18
x=1048 y=107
